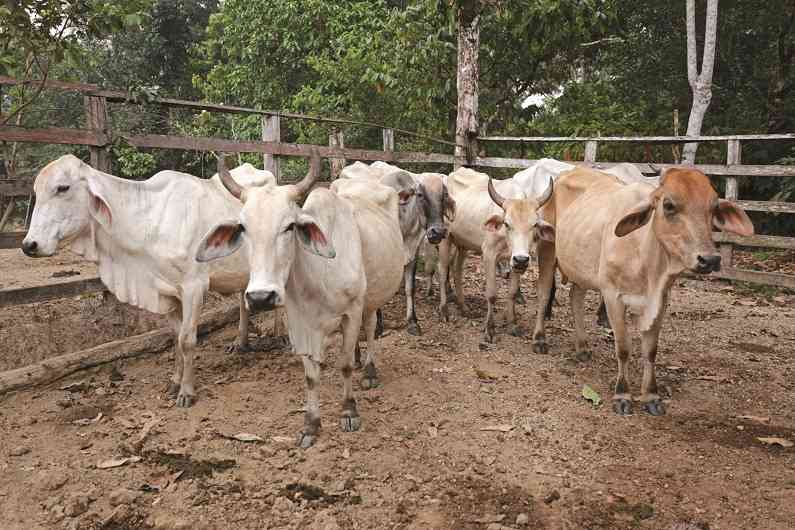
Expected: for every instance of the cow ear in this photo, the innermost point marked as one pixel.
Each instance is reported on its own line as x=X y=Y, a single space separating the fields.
x=545 y=231
x=493 y=223
x=312 y=238
x=449 y=207
x=638 y=216
x=405 y=195
x=731 y=218
x=98 y=205
x=221 y=241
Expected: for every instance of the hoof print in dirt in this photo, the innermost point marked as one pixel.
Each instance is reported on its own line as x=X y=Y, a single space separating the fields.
x=654 y=407
x=622 y=407
x=350 y=423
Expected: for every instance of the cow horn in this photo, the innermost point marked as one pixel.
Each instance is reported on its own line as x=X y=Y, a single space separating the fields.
x=303 y=187
x=547 y=194
x=496 y=197
x=226 y=178
x=654 y=168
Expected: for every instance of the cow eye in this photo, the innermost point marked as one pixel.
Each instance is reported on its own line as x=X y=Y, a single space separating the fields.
x=62 y=189
x=669 y=207
x=507 y=225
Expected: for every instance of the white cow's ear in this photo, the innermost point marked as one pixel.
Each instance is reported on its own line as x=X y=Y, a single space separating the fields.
x=731 y=218
x=493 y=223
x=312 y=238
x=449 y=206
x=638 y=216
x=98 y=206
x=221 y=241
x=545 y=231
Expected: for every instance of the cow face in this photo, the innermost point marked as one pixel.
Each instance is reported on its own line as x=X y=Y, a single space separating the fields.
x=683 y=211
x=67 y=197
x=521 y=225
x=275 y=228
x=437 y=206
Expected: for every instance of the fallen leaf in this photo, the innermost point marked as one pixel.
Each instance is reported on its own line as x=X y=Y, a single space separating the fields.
x=433 y=432
x=498 y=428
x=591 y=395
x=760 y=419
x=484 y=375
x=88 y=421
x=242 y=437
x=346 y=453
x=783 y=442
x=117 y=462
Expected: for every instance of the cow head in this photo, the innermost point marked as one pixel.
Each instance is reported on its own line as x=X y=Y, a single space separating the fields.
x=68 y=196
x=683 y=210
x=275 y=227
x=438 y=206
x=521 y=225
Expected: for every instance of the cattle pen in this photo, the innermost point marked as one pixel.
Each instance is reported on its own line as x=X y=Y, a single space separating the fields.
x=464 y=434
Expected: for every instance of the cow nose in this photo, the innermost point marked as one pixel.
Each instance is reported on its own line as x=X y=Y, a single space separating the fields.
x=708 y=263
x=436 y=234
x=29 y=247
x=520 y=262
x=262 y=300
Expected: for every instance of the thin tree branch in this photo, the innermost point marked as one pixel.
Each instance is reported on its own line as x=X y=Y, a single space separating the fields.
x=692 y=57
x=710 y=39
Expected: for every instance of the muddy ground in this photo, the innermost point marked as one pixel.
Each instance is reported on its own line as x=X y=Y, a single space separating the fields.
x=459 y=435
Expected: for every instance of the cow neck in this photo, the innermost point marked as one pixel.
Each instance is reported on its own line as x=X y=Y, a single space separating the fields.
x=124 y=211
x=660 y=275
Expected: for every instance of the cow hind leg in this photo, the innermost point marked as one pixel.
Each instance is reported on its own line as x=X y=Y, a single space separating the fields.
x=193 y=297
x=516 y=331
x=622 y=399
x=349 y=420
x=458 y=277
x=370 y=377
x=409 y=275
x=551 y=301
x=544 y=287
x=577 y=295
x=601 y=315
x=649 y=393
x=444 y=271
x=242 y=344
x=175 y=319
x=491 y=296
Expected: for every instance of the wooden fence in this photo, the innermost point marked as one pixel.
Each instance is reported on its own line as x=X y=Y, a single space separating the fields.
x=98 y=137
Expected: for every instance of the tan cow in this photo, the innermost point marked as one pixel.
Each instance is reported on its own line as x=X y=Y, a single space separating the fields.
x=630 y=242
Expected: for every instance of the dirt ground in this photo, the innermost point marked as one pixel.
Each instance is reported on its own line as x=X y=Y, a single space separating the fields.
x=460 y=435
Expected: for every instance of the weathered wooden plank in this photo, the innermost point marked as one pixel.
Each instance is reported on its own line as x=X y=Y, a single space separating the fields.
x=56 y=368
x=336 y=139
x=9 y=240
x=16 y=187
x=30 y=295
x=52 y=135
x=590 y=151
x=59 y=85
x=638 y=139
x=733 y=156
x=389 y=139
x=765 y=278
x=97 y=121
x=767 y=206
x=755 y=240
x=272 y=132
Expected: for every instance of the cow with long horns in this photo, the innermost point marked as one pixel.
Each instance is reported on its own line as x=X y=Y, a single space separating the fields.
x=330 y=263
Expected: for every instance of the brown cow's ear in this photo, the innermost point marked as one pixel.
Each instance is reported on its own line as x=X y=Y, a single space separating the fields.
x=221 y=241
x=731 y=218
x=545 y=231
x=638 y=216
x=493 y=223
x=406 y=195
x=449 y=207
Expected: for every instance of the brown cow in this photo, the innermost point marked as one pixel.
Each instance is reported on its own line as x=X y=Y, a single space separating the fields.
x=631 y=242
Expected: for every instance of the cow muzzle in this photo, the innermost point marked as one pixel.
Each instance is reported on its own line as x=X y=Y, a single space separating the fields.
x=519 y=263
x=435 y=234
x=30 y=248
x=707 y=264
x=263 y=300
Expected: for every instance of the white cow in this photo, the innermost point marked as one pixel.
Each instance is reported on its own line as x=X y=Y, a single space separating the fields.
x=331 y=262
x=143 y=236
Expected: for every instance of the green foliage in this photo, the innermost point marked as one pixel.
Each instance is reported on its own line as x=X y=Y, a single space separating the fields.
x=133 y=163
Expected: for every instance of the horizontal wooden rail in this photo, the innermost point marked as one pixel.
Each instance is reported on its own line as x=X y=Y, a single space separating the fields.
x=44 y=293
x=10 y=240
x=767 y=206
x=15 y=187
x=53 y=135
x=767 y=278
x=755 y=240
x=638 y=139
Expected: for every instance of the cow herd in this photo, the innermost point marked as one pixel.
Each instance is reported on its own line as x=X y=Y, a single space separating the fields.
x=333 y=256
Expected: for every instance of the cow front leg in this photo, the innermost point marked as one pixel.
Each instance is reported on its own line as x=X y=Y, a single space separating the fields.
x=444 y=270
x=242 y=328
x=510 y=310
x=308 y=435
x=622 y=400
x=193 y=297
x=370 y=377
x=577 y=299
x=458 y=277
x=349 y=420
x=649 y=393
x=175 y=319
x=490 y=263
x=601 y=315
x=546 y=281
x=409 y=275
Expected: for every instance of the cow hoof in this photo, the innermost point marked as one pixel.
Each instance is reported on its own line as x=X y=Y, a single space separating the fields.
x=654 y=407
x=414 y=329
x=582 y=356
x=488 y=337
x=622 y=407
x=185 y=400
x=239 y=348
x=172 y=390
x=516 y=331
x=370 y=379
x=357 y=364
x=350 y=423
x=379 y=324
x=444 y=313
x=519 y=298
x=540 y=346
x=306 y=440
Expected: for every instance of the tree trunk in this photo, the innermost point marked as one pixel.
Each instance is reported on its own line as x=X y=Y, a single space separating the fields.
x=700 y=83
x=466 y=128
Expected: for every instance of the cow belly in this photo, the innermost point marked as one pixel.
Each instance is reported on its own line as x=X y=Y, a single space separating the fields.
x=384 y=258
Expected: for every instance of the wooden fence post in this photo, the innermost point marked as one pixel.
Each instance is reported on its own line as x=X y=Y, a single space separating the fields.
x=733 y=157
x=97 y=120
x=389 y=140
x=272 y=132
x=336 y=139
x=590 y=151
